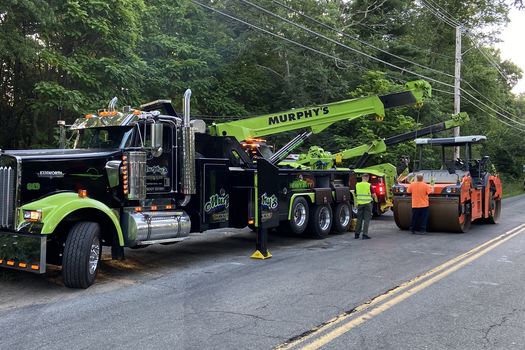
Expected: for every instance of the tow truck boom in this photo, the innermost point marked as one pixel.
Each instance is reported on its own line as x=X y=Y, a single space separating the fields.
x=318 y=118
x=380 y=146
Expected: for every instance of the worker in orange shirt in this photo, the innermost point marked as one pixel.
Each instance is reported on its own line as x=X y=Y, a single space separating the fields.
x=420 y=191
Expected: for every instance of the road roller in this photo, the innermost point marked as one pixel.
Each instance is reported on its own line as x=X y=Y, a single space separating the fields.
x=465 y=189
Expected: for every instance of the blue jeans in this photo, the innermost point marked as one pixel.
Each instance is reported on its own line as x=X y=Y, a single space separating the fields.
x=419 y=215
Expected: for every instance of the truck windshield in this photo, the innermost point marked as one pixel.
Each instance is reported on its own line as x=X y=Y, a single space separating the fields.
x=106 y=137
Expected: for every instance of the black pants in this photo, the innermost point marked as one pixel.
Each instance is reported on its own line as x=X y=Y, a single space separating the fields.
x=364 y=214
x=419 y=216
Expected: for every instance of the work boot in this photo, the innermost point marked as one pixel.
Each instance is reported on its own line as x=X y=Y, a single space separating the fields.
x=420 y=233
x=366 y=237
x=356 y=236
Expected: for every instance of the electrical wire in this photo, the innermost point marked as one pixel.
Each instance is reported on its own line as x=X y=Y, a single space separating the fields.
x=491 y=61
x=435 y=11
x=443 y=15
x=442 y=10
x=312 y=32
x=350 y=48
x=357 y=39
x=274 y=34
x=493 y=103
x=443 y=91
x=492 y=116
x=408 y=44
x=492 y=109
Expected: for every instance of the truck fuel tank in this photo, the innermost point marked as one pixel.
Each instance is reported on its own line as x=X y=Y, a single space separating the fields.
x=149 y=227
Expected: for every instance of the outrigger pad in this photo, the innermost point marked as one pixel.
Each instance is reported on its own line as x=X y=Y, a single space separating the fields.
x=259 y=255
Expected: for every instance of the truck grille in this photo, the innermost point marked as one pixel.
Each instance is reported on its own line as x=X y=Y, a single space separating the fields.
x=7 y=197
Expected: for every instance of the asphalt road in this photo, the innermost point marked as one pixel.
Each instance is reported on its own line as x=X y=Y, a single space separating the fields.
x=205 y=293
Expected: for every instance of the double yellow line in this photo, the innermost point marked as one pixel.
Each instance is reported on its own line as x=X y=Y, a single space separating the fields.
x=341 y=324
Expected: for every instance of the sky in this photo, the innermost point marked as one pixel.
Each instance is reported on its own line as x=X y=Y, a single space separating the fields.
x=513 y=44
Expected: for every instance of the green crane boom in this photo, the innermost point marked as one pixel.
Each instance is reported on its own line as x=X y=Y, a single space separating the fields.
x=317 y=158
x=317 y=118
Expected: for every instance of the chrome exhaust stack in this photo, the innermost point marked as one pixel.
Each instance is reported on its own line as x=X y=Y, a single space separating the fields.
x=188 y=154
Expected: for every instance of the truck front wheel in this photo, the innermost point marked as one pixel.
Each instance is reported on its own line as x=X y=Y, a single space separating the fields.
x=81 y=255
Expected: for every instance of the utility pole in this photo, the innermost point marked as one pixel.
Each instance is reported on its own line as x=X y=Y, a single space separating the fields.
x=457 y=82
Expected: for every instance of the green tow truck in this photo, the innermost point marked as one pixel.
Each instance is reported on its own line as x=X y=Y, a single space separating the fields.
x=138 y=177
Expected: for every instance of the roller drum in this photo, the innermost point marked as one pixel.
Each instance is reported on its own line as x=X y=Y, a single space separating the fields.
x=444 y=214
x=403 y=212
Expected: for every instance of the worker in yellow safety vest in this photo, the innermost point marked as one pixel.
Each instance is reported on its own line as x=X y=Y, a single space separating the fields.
x=364 y=197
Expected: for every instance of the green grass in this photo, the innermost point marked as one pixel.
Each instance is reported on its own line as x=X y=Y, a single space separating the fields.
x=511 y=186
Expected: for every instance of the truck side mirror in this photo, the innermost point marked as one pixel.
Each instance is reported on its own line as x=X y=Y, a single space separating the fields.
x=156 y=131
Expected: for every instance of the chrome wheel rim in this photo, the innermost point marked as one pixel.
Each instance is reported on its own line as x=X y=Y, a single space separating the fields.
x=344 y=219
x=299 y=214
x=324 y=219
x=94 y=255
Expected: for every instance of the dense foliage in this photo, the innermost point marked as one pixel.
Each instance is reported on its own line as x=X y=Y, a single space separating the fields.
x=61 y=58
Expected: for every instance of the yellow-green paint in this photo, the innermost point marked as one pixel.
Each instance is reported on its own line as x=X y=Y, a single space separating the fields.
x=57 y=207
x=314 y=118
x=310 y=195
x=256 y=199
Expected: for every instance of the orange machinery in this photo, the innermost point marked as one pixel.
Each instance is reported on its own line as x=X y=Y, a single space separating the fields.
x=465 y=189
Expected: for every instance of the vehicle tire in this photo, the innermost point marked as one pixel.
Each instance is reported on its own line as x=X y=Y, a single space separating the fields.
x=494 y=210
x=81 y=255
x=320 y=221
x=299 y=220
x=465 y=226
x=342 y=218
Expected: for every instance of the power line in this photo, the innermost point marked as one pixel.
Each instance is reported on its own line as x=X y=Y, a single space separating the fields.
x=443 y=91
x=407 y=44
x=273 y=34
x=492 y=109
x=346 y=46
x=490 y=60
x=492 y=116
x=493 y=103
x=435 y=11
x=355 y=38
x=442 y=12
x=350 y=48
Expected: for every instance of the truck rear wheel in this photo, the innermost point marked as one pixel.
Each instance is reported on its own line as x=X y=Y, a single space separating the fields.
x=299 y=219
x=320 y=221
x=81 y=255
x=342 y=218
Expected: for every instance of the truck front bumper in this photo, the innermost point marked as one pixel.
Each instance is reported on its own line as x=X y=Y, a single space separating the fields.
x=23 y=252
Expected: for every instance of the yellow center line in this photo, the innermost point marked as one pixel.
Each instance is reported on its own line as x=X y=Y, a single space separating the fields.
x=337 y=332
x=363 y=307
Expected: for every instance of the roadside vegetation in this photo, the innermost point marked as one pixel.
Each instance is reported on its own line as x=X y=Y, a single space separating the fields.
x=62 y=59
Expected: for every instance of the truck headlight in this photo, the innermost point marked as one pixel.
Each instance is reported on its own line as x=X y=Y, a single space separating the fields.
x=32 y=215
